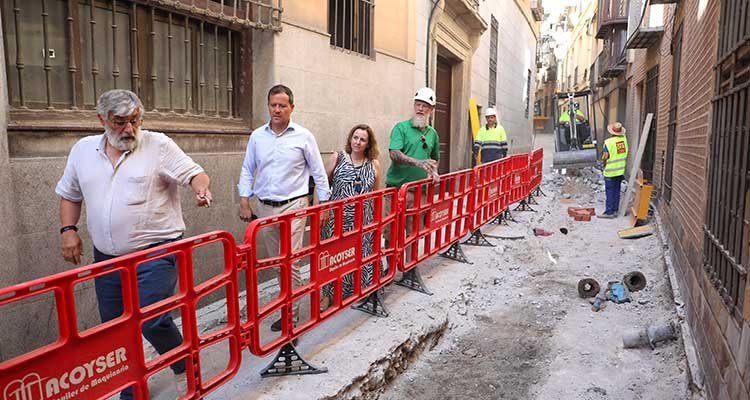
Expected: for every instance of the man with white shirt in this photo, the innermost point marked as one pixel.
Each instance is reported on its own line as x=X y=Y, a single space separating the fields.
x=280 y=158
x=128 y=179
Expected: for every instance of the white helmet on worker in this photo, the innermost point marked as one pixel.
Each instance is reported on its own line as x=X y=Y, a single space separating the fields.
x=490 y=112
x=426 y=95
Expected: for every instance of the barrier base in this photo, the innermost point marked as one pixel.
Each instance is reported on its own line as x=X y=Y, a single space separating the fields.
x=373 y=305
x=532 y=200
x=498 y=220
x=538 y=192
x=456 y=253
x=288 y=362
x=413 y=280
x=524 y=206
x=507 y=216
x=477 y=238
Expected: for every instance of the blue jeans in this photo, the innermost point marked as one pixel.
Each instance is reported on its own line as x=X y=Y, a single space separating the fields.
x=156 y=282
x=612 y=187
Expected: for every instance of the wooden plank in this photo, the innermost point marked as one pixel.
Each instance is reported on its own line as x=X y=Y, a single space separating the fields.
x=636 y=163
x=634 y=233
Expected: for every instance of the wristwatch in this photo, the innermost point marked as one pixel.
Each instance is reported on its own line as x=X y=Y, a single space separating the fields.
x=68 y=228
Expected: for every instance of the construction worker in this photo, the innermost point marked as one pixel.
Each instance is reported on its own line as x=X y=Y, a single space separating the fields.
x=565 y=116
x=615 y=157
x=491 y=139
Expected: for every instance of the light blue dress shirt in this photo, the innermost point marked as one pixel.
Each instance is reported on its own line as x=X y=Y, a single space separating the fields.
x=278 y=167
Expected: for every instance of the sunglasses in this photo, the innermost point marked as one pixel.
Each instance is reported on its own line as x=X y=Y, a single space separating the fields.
x=424 y=141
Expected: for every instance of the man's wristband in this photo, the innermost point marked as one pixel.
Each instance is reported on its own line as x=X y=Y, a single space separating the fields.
x=68 y=228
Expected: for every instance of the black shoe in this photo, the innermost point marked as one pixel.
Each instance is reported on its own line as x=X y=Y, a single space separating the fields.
x=276 y=326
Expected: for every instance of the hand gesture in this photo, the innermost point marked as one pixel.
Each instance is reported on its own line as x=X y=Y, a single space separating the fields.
x=246 y=213
x=203 y=198
x=72 y=247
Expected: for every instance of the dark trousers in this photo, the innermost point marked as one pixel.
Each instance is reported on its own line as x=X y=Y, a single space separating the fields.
x=612 y=187
x=156 y=282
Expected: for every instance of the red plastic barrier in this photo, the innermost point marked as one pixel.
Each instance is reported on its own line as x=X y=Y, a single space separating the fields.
x=329 y=260
x=519 y=177
x=434 y=216
x=535 y=165
x=101 y=361
x=490 y=197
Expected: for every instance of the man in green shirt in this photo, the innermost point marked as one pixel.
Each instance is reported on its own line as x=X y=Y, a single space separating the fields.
x=491 y=139
x=414 y=146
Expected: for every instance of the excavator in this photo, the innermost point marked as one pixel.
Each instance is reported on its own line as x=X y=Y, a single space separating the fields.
x=575 y=137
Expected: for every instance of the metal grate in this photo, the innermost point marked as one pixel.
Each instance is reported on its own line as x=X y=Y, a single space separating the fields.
x=727 y=229
x=528 y=93
x=493 y=62
x=651 y=106
x=174 y=62
x=350 y=25
x=672 y=124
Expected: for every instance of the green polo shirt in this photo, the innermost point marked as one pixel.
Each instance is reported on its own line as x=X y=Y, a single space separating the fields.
x=408 y=139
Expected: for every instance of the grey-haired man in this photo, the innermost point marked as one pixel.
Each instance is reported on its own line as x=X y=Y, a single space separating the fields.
x=128 y=179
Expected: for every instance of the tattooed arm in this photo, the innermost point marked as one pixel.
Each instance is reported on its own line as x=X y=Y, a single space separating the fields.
x=399 y=157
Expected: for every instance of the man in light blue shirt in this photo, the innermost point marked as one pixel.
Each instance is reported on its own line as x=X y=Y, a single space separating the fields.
x=280 y=158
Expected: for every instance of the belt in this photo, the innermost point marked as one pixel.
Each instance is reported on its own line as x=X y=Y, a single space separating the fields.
x=274 y=203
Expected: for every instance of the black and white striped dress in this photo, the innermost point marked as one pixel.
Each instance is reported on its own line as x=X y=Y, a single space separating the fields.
x=349 y=180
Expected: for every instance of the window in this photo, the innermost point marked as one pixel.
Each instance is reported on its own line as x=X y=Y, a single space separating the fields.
x=493 y=62
x=651 y=106
x=350 y=25
x=528 y=93
x=575 y=76
x=726 y=251
x=173 y=62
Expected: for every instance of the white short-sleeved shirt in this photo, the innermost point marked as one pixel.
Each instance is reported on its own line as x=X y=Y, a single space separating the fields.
x=135 y=203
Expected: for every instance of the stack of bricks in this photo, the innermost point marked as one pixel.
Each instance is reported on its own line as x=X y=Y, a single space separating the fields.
x=581 y=214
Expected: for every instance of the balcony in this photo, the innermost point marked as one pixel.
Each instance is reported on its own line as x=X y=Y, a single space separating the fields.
x=612 y=60
x=467 y=14
x=645 y=27
x=537 y=10
x=260 y=15
x=612 y=13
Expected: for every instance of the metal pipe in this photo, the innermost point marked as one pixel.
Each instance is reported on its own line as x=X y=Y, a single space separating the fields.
x=115 y=68
x=47 y=66
x=170 y=74
x=136 y=76
x=72 y=69
x=427 y=53
x=19 y=55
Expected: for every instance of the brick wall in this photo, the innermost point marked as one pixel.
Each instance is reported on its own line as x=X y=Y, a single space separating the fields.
x=723 y=341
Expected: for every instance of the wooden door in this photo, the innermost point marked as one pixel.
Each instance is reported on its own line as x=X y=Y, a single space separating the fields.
x=443 y=93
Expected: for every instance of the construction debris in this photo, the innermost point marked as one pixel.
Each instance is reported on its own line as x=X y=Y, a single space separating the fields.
x=651 y=335
x=588 y=287
x=635 y=233
x=581 y=214
x=635 y=281
x=542 y=232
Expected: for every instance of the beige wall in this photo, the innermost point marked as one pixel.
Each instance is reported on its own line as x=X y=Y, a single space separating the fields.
x=335 y=88
x=517 y=40
x=393 y=23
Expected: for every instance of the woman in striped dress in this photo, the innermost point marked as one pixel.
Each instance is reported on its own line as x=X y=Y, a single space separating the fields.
x=351 y=172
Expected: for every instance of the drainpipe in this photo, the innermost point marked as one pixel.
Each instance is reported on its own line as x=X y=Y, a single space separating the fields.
x=427 y=56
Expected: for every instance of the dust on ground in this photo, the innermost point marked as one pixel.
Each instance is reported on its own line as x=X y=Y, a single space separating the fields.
x=518 y=329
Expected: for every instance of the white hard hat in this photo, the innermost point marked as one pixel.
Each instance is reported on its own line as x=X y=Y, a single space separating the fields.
x=490 y=112
x=427 y=95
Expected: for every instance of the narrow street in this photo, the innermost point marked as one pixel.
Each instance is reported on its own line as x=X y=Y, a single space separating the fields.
x=508 y=326
x=519 y=330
